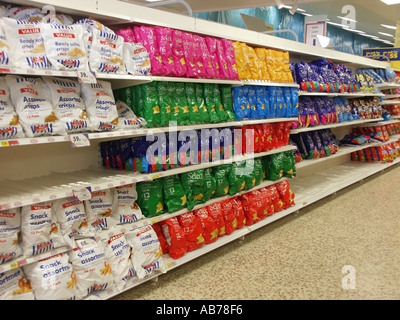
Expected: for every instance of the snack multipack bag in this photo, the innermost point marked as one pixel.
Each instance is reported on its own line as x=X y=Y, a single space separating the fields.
x=193 y=231
x=125 y=202
x=5 y=47
x=32 y=102
x=180 y=67
x=127 y=118
x=26 y=43
x=15 y=286
x=68 y=104
x=164 y=40
x=53 y=278
x=99 y=209
x=175 y=236
x=137 y=59
x=9 y=230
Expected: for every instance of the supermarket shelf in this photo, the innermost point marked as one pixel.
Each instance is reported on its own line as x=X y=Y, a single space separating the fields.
x=341 y=94
x=334 y=125
x=387 y=85
x=382 y=123
x=307 y=191
x=390 y=102
x=136 y=132
x=343 y=150
x=391 y=96
x=17 y=193
x=198 y=80
x=269 y=84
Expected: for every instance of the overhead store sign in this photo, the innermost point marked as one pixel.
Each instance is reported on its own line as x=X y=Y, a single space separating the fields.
x=393 y=54
x=314 y=26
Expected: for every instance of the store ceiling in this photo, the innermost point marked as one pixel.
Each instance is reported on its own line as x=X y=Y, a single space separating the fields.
x=369 y=14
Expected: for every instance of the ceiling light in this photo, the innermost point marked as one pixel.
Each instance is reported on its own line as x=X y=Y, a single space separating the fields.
x=390 y=2
x=347 y=19
x=386 y=34
x=389 y=27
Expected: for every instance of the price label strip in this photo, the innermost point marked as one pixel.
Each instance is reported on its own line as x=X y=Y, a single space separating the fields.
x=79 y=140
x=86 y=76
x=82 y=194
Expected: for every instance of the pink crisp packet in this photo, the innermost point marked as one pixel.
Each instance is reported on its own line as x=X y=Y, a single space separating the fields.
x=188 y=50
x=127 y=33
x=207 y=61
x=198 y=56
x=223 y=64
x=178 y=54
x=231 y=59
x=212 y=48
x=164 y=39
x=149 y=40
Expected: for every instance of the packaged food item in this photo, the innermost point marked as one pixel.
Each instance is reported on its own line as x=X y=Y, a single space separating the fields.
x=215 y=211
x=230 y=58
x=32 y=102
x=5 y=47
x=221 y=174
x=146 y=251
x=100 y=105
x=193 y=230
x=198 y=56
x=194 y=111
x=9 y=230
x=26 y=43
x=164 y=41
x=193 y=184
x=118 y=253
x=99 y=209
x=250 y=211
x=229 y=215
x=151 y=108
x=53 y=278
x=15 y=286
x=71 y=216
x=175 y=236
x=210 y=229
x=174 y=194
x=188 y=50
x=212 y=49
x=125 y=203
x=136 y=59
x=9 y=121
x=127 y=119
x=127 y=33
x=92 y=269
x=68 y=104
x=237 y=208
x=150 y=198
x=64 y=46
x=161 y=237
x=40 y=231
x=209 y=71
x=180 y=67
x=27 y=13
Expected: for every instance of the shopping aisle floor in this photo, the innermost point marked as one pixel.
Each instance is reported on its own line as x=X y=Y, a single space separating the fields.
x=301 y=256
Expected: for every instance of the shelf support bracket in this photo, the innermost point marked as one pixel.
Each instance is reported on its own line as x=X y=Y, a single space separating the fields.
x=283 y=30
x=168 y=2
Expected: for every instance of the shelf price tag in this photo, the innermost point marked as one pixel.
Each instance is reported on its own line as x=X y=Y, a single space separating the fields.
x=86 y=76
x=79 y=140
x=82 y=194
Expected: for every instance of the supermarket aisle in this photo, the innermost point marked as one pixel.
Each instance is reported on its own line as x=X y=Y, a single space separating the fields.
x=302 y=255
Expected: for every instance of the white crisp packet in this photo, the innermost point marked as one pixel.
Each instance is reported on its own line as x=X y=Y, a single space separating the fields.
x=126 y=208
x=10 y=227
x=32 y=102
x=15 y=286
x=26 y=43
x=27 y=13
x=53 y=278
x=137 y=59
x=71 y=216
x=127 y=118
x=100 y=105
x=118 y=253
x=9 y=121
x=93 y=271
x=68 y=104
x=99 y=209
x=65 y=47
x=40 y=231
x=146 y=251
x=5 y=47
x=106 y=53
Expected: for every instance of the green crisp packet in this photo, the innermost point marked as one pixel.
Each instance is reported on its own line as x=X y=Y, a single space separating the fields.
x=174 y=195
x=150 y=198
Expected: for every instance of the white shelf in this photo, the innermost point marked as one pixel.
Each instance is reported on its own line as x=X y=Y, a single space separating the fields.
x=334 y=125
x=382 y=123
x=387 y=85
x=391 y=96
x=269 y=84
x=341 y=94
x=390 y=102
x=137 y=132
x=17 y=193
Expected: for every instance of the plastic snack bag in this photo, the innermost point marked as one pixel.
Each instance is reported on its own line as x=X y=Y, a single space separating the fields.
x=71 y=216
x=188 y=50
x=68 y=104
x=180 y=67
x=27 y=13
x=92 y=269
x=150 y=198
x=164 y=41
x=146 y=251
x=200 y=56
x=99 y=209
x=230 y=58
x=9 y=121
x=64 y=46
x=15 y=286
x=5 y=47
x=100 y=105
x=137 y=59
x=40 y=231
x=193 y=184
x=9 y=230
x=174 y=194
x=193 y=230
x=160 y=234
x=215 y=211
x=118 y=253
x=125 y=203
x=127 y=33
x=32 y=103
x=53 y=278
x=127 y=118
x=151 y=108
x=210 y=229
x=175 y=236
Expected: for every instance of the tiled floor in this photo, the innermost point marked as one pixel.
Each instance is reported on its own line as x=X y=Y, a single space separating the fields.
x=302 y=256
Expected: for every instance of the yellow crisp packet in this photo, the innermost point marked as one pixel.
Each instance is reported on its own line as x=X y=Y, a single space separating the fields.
x=261 y=54
x=240 y=63
x=286 y=69
x=255 y=65
x=269 y=58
